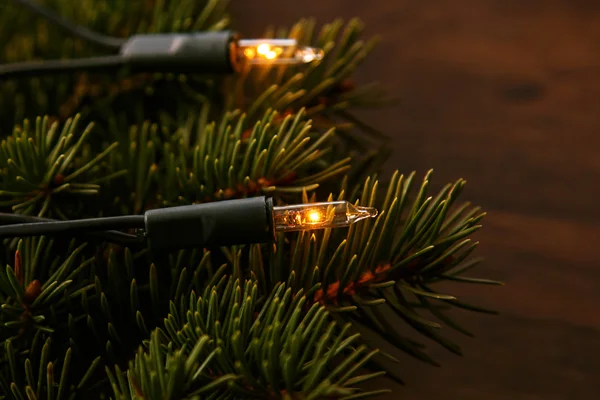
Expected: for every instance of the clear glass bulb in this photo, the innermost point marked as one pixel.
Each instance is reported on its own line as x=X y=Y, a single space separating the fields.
x=334 y=214
x=276 y=51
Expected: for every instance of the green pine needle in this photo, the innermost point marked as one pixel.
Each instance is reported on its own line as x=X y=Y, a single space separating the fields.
x=270 y=344
x=36 y=290
x=159 y=373
x=40 y=164
x=52 y=379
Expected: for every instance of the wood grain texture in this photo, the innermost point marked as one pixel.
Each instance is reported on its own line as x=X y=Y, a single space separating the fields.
x=504 y=93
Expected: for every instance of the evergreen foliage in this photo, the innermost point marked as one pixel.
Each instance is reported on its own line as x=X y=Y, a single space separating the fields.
x=304 y=318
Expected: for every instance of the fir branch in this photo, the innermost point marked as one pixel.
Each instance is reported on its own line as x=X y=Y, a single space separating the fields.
x=325 y=88
x=279 y=155
x=275 y=348
x=109 y=325
x=383 y=266
x=44 y=374
x=40 y=164
x=131 y=297
x=275 y=157
x=159 y=372
x=37 y=291
x=138 y=155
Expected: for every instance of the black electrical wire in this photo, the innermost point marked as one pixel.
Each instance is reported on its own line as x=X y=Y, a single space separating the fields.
x=20 y=226
x=199 y=53
x=36 y=68
x=116 y=237
x=162 y=230
x=74 y=29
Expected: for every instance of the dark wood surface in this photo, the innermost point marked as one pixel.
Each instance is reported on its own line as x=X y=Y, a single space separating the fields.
x=506 y=94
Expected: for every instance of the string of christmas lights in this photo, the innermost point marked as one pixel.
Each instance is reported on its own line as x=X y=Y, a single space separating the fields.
x=220 y=52
x=224 y=223
x=244 y=221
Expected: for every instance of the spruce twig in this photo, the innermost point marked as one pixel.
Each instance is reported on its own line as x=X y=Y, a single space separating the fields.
x=326 y=88
x=383 y=266
x=279 y=155
x=37 y=292
x=274 y=348
x=35 y=376
x=40 y=164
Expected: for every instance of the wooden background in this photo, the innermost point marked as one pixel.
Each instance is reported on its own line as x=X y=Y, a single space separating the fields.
x=506 y=94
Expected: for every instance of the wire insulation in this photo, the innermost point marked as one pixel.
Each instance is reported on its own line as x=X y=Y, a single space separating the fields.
x=116 y=237
x=36 y=68
x=74 y=29
x=72 y=227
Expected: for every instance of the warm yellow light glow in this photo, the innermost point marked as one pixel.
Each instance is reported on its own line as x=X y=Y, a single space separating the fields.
x=263 y=49
x=277 y=51
x=314 y=216
x=335 y=214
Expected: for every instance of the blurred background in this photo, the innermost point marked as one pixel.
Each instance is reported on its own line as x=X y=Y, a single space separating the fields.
x=506 y=94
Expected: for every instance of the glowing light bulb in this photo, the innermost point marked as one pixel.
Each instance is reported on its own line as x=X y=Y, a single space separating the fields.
x=314 y=216
x=277 y=51
x=263 y=48
x=335 y=214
